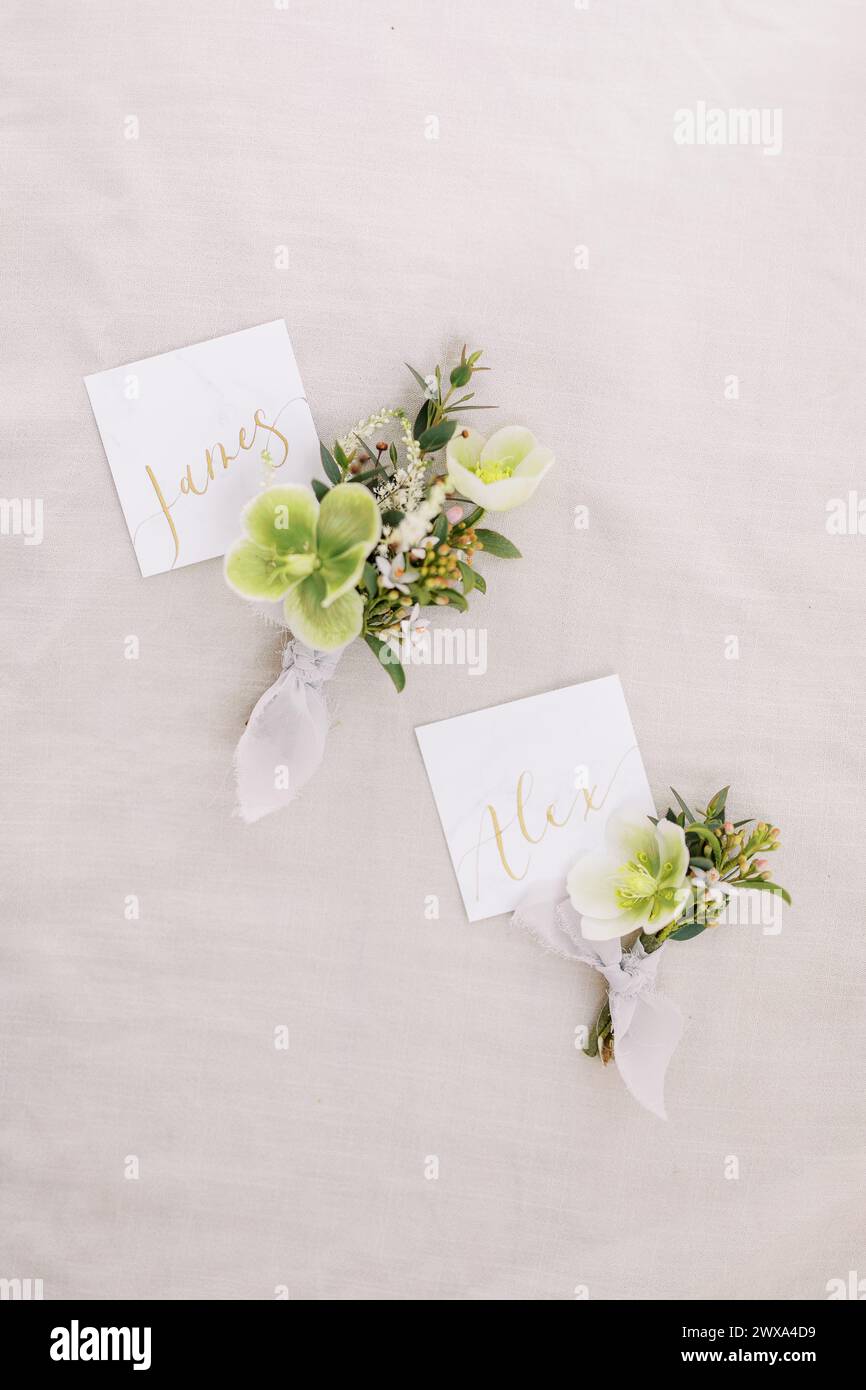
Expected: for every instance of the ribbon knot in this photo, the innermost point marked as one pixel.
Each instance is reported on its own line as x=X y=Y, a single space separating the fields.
x=310 y=666
x=633 y=975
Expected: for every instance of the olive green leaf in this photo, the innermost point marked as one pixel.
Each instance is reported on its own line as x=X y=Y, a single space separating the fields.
x=687 y=932
x=386 y=658
x=765 y=887
x=331 y=468
x=495 y=544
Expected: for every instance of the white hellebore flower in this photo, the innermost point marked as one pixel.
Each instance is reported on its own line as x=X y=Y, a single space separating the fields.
x=638 y=881
x=500 y=473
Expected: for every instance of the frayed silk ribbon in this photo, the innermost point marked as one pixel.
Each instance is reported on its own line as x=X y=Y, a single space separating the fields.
x=283 y=743
x=647 y=1027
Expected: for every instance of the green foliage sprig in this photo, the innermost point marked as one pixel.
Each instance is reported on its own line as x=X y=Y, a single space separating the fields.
x=439 y=568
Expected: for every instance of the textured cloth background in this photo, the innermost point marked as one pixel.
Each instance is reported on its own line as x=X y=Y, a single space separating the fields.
x=306 y=127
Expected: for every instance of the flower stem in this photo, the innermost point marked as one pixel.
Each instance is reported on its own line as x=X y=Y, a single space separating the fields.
x=652 y=943
x=603 y=1027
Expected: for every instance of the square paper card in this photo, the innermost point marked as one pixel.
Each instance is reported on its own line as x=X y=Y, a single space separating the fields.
x=190 y=434
x=523 y=788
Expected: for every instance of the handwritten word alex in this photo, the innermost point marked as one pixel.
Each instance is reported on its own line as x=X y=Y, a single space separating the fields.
x=533 y=834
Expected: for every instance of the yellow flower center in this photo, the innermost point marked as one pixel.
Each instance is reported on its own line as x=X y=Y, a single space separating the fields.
x=495 y=470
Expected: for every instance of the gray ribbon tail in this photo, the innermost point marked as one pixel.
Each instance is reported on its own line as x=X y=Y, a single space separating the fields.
x=647 y=1030
x=282 y=746
x=647 y=1027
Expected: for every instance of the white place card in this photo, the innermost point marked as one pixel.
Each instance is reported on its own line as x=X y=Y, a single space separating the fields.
x=191 y=435
x=523 y=789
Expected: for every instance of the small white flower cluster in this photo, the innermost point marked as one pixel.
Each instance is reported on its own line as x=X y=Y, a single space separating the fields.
x=383 y=417
x=378 y=421
x=402 y=492
x=709 y=893
x=416 y=523
x=406 y=488
x=412 y=631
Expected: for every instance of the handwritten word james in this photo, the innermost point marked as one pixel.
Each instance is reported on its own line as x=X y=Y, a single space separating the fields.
x=188 y=484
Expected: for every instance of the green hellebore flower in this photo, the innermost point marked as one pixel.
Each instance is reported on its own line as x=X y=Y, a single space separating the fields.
x=501 y=473
x=637 y=881
x=310 y=555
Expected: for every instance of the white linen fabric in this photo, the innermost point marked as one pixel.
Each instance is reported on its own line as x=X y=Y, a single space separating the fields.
x=256 y=1061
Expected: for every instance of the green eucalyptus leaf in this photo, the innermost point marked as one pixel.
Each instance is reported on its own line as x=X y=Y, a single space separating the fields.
x=319 y=488
x=389 y=663
x=371 y=579
x=438 y=436
x=765 y=887
x=440 y=527
x=418 y=377
x=495 y=544
x=330 y=465
x=687 y=932
x=690 y=813
x=393 y=517
x=456 y=599
x=422 y=420
x=468 y=576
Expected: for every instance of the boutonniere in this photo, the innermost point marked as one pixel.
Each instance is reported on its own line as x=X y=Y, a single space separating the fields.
x=393 y=527
x=667 y=880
